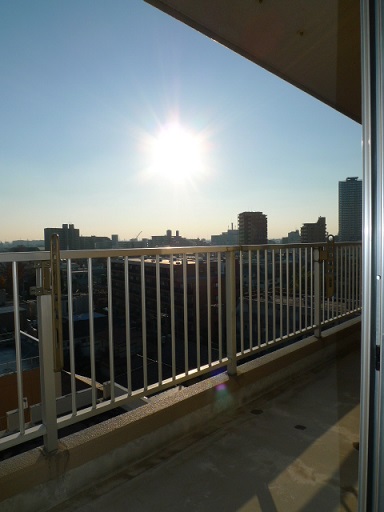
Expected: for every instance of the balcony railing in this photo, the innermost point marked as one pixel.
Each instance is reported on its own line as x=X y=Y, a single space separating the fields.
x=108 y=329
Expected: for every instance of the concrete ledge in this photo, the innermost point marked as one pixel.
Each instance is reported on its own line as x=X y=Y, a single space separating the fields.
x=34 y=481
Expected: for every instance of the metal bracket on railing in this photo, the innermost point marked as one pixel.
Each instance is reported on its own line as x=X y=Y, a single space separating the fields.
x=45 y=288
x=56 y=303
x=50 y=284
x=327 y=255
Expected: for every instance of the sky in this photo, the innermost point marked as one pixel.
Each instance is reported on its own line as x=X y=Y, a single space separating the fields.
x=119 y=119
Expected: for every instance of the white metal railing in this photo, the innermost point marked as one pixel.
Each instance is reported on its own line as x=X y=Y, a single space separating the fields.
x=136 y=322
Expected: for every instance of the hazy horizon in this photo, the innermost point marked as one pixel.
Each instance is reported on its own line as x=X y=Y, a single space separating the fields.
x=139 y=235
x=118 y=119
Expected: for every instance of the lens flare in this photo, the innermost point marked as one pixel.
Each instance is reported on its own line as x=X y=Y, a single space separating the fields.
x=176 y=154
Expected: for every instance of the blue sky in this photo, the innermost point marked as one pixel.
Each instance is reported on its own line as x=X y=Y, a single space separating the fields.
x=86 y=86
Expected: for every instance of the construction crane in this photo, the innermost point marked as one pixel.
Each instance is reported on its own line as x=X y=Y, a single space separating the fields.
x=137 y=236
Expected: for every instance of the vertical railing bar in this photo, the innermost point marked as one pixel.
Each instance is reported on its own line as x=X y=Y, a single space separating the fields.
x=258 y=295
x=158 y=321
x=308 y=294
x=46 y=358
x=293 y=290
x=127 y=325
x=250 y=292
x=281 y=292
x=220 y=306
x=92 y=353
x=327 y=299
x=273 y=296
x=92 y=332
x=185 y=298
x=323 y=298
x=321 y=292
x=287 y=287
x=197 y=279
x=300 y=291
x=241 y=288
x=172 y=304
x=317 y=291
x=353 y=250
x=350 y=278
x=358 y=277
x=355 y=278
x=333 y=308
x=330 y=279
x=306 y=287
x=353 y=271
x=311 y=271
x=332 y=300
x=337 y=279
x=110 y=331
x=47 y=373
x=346 y=278
x=342 y=284
x=19 y=366
x=359 y=273
x=209 y=312
x=72 y=364
x=144 y=324
x=311 y=283
x=230 y=309
x=266 y=298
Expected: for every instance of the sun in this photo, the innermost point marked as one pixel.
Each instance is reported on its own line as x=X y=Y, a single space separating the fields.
x=177 y=154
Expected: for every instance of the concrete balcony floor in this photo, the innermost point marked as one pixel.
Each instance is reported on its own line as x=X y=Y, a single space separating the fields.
x=292 y=450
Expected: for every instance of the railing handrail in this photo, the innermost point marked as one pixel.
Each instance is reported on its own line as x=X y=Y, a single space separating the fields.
x=9 y=257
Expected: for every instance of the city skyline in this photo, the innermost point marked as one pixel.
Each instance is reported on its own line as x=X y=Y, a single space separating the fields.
x=48 y=231
x=96 y=97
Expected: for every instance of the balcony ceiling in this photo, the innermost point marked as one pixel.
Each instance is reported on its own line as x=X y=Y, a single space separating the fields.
x=314 y=45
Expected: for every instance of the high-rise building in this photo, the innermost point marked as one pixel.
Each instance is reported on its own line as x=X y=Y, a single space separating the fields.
x=350 y=210
x=69 y=237
x=293 y=237
x=314 y=232
x=253 y=228
x=115 y=241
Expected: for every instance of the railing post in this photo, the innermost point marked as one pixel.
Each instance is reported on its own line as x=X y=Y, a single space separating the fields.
x=47 y=374
x=48 y=292
x=317 y=292
x=230 y=292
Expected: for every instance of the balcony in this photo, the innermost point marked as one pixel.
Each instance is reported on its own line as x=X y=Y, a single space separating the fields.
x=142 y=352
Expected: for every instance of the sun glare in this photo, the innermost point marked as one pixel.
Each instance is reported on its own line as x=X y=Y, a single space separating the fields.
x=177 y=154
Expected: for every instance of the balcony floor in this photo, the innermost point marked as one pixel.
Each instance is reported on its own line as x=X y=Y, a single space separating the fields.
x=294 y=450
